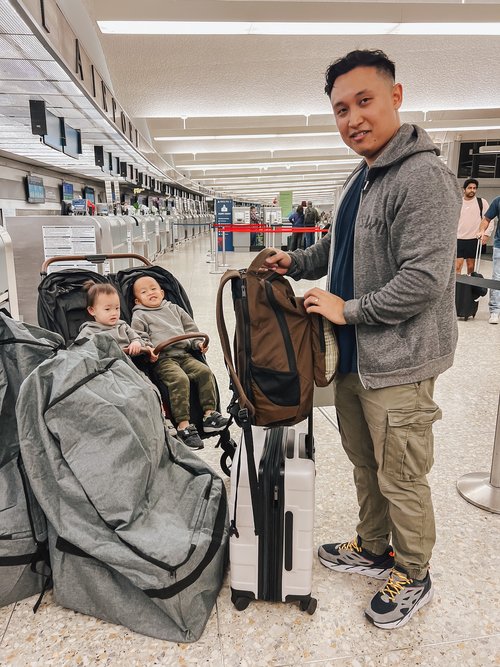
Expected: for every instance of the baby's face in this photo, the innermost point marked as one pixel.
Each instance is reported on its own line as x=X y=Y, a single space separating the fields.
x=148 y=293
x=106 y=309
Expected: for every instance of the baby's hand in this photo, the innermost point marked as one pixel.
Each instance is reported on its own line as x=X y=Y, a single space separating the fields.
x=203 y=348
x=134 y=348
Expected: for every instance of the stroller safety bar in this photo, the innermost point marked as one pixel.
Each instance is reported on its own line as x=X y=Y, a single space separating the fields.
x=176 y=339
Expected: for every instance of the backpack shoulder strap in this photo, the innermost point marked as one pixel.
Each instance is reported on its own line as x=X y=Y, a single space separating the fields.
x=480 y=204
x=224 y=340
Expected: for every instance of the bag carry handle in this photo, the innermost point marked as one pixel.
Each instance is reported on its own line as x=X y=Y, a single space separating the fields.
x=477 y=261
x=259 y=261
x=243 y=399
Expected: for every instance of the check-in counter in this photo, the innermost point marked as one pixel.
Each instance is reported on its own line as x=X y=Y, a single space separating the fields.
x=8 y=287
x=178 y=230
x=163 y=241
x=36 y=238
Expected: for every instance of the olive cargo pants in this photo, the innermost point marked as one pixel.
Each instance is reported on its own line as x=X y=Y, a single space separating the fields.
x=387 y=435
x=177 y=372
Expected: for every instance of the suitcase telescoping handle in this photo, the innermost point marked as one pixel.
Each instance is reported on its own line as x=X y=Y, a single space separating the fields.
x=477 y=261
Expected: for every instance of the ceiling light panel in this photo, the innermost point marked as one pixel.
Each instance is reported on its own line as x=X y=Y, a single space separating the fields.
x=10 y=22
x=301 y=29
x=18 y=70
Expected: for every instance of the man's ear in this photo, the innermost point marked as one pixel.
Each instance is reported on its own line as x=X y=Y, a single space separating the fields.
x=397 y=95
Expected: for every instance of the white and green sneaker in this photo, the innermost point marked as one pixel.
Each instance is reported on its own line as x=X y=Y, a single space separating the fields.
x=400 y=598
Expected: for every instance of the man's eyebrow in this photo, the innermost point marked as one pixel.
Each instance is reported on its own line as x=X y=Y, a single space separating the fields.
x=358 y=94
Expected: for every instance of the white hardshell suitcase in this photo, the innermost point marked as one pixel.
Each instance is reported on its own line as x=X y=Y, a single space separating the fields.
x=276 y=564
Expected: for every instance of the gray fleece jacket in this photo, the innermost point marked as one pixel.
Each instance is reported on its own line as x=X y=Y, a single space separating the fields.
x=121 y=332
x=166 y=321
x=404 y=251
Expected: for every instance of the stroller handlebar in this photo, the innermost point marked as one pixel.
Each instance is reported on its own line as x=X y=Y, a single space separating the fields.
x=93 y=259
x=171 y=341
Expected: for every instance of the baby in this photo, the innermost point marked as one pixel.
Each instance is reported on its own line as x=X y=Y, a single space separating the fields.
x=103 y=303
x=159 y=320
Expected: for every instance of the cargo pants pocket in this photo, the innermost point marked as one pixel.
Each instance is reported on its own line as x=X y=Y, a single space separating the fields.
x=409 y=443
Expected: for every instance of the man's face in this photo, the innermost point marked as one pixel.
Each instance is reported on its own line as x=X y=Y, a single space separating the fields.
x=365 y=105
x=106 y=309
x=470 y=191
x=147 y=292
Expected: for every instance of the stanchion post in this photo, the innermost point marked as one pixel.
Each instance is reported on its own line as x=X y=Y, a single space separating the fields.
x=216 y=268
x=479 y=488
x=223 y=247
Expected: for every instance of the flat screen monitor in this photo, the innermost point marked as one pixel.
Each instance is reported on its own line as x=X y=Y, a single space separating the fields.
x=89 y=193
x=73 y=138
x=35 y=190
x=54 y=136
x=67 y=191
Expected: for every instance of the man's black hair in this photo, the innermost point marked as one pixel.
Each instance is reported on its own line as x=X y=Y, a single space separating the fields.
x=468 y=181
x=364 y=58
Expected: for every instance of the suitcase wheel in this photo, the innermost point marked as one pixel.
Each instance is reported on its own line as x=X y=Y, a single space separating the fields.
x=241 y=603
x=308 y=605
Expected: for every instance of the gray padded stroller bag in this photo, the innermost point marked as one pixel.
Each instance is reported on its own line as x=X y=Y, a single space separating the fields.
x=137 y=522
x=23 y=532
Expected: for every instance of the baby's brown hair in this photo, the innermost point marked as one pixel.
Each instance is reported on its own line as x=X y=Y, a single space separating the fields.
x=94 y=290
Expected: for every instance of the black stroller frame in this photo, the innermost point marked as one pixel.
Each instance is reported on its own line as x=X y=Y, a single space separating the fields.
x=62 y=308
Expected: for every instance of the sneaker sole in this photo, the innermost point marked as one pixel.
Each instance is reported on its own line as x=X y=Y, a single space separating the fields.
x=213 y=429
x=375 y=573
x=404 y=620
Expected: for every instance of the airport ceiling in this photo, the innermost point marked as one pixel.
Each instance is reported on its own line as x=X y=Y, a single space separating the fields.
x=245 y=114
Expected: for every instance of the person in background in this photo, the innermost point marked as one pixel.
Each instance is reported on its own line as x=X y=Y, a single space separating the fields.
x=484 y=231
x=254 y=221
x=297 y=220
x=311 y=219
x=471 y=215
x=391 y=297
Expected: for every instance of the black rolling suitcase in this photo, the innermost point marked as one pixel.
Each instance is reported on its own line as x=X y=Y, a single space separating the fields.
x=467 y=296
x=272 y=517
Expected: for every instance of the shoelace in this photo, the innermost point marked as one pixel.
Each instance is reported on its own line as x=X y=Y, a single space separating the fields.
x=393 y=586
x=351 y=546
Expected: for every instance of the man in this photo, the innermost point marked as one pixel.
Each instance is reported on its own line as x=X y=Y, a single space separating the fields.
x=484 y=231
x=391 y=297
x=468 y=226
x=311 y=219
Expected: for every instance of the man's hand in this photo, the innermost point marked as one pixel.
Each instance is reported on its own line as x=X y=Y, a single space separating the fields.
x=134 y=348
x=280 y=262
x=323 y=303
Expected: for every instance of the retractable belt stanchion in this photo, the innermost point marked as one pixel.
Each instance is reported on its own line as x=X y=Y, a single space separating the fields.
x=223 y=247
x=211 y=251
x=481 y=489
x=216 y=268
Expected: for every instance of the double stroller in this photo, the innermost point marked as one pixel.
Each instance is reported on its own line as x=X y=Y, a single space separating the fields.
x=62 y=308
